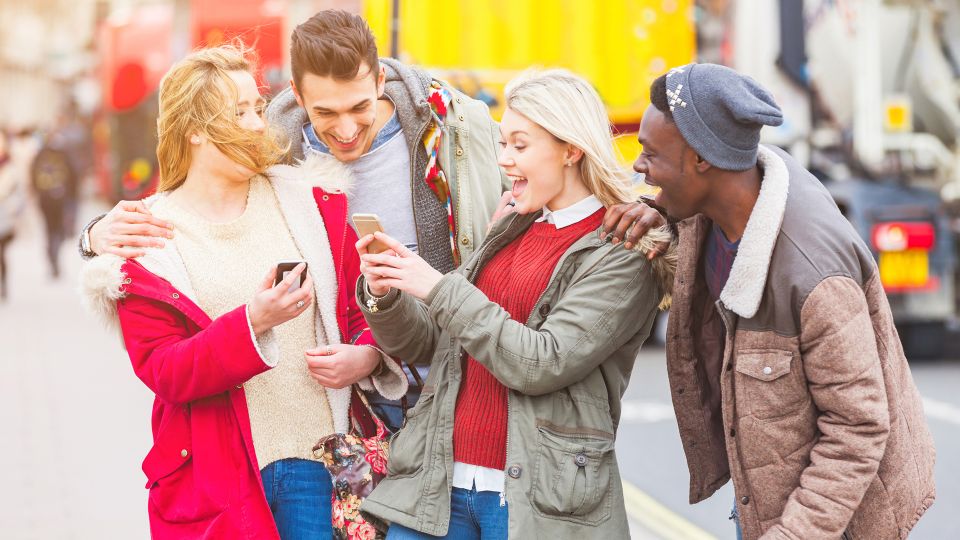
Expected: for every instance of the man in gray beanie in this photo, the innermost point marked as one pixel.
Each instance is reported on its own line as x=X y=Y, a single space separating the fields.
x=786 y=372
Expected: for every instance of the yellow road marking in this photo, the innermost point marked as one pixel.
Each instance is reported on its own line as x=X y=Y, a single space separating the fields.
x=659 y=519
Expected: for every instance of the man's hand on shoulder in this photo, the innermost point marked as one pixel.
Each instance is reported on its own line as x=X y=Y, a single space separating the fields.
x=628 y=222
x=127 y=230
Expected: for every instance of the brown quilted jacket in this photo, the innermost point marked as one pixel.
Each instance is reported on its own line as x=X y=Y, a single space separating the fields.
x=794 y=384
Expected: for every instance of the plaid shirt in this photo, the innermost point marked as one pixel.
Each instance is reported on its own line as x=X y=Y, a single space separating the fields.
x=718 y=260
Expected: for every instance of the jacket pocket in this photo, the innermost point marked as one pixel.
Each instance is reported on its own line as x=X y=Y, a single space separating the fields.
x=573 y=476
x=409 y=446
x=768 y=384
x=177 y=495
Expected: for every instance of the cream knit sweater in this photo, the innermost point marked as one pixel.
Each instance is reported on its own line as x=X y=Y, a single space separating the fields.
x=226 y=262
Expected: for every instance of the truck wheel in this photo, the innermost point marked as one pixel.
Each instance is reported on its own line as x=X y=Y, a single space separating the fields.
x=923 y=341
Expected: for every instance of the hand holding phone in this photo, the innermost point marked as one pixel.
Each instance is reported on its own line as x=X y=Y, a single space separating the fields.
x=285 y=293
x=369 y=224
x=283 y=270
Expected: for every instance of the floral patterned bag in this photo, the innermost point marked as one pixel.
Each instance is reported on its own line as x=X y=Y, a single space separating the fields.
x=357 y=464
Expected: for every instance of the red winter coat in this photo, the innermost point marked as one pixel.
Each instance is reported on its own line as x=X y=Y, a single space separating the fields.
x=202 y=471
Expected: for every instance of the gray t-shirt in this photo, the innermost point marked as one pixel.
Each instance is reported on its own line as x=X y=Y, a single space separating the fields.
x=381 y=180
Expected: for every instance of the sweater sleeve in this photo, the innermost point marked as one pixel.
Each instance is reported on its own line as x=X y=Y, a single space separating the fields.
x=180 y=366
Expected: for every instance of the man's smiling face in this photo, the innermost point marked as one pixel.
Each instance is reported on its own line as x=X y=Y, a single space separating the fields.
x=667 y=162
x=343 y=113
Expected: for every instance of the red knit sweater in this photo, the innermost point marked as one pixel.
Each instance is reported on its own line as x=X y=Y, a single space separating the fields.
x=514 y=278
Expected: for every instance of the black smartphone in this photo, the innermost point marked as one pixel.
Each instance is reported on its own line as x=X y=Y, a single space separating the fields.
x=284 y=268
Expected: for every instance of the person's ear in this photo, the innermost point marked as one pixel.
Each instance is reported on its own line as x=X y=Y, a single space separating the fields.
x=702 y=164
x=296 y=93
x=381 y=81
x=572 y=155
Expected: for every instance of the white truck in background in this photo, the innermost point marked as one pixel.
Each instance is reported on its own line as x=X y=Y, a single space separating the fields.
x=871 y=97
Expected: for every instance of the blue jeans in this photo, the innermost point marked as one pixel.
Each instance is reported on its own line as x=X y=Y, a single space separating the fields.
x=474 y=515
x=735 y=516
x=299 y=493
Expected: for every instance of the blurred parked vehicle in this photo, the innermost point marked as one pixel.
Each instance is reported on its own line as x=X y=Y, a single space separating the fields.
x=136 y=47
x=871 y=93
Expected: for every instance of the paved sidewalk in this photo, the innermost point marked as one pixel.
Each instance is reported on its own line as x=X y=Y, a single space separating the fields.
x=75 y=419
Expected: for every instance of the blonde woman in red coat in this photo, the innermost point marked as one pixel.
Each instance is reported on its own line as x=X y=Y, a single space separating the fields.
x=247 y=375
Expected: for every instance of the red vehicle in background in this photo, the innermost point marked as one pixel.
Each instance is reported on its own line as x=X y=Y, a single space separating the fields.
x=137 y=46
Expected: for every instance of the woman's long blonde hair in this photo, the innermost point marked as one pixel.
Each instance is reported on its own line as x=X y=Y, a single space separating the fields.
x=198 y=96
x=568 y=107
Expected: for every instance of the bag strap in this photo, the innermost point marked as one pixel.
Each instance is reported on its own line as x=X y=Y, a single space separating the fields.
x=415 y=373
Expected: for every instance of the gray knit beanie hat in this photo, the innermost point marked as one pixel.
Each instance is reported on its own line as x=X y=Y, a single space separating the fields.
x=720 y=113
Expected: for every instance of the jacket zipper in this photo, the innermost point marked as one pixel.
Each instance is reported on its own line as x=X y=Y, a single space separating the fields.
x=340 y=275
x=727 y=323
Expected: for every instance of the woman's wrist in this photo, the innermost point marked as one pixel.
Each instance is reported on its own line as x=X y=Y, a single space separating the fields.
x=370 y=294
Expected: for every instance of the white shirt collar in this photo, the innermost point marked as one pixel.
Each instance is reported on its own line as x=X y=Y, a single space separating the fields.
x=572 y=214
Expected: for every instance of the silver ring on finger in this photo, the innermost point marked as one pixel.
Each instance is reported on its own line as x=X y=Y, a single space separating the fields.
x=300 y=304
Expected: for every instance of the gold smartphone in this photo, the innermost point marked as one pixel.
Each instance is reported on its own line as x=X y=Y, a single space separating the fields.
x=369 y=224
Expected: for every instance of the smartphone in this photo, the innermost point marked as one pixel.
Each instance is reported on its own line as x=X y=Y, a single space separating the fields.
x=369 y=224
x=284 y=268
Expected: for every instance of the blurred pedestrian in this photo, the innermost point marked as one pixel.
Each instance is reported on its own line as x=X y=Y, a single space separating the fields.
x=12 y=203
x=531 y=342
x=786 y=371
x=250 y=371
x=54 y=181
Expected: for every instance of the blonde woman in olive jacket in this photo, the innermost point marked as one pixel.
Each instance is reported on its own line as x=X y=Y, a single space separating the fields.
x=531 y=342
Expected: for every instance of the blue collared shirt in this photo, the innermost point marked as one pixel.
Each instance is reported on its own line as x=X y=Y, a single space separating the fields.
x=312 y=142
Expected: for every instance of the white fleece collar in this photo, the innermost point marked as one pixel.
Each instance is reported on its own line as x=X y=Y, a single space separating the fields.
x=748 y=275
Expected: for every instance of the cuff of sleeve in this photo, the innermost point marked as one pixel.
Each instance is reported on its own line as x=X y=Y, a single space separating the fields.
x=266 y=344
x=390 y=383
x=384 y=303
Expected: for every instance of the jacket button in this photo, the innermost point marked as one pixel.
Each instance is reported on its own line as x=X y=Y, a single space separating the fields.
x=580 y=460
x=325 y=197
x=459 y=151
x=183 y=453
x=175 y=296
x=465 y=241
x=744 y=500
x=544 y=310
x=767 y=370
x=127 y=281
x=459 y=100
x=514 y=471
x=239 y=386
x=460 y=117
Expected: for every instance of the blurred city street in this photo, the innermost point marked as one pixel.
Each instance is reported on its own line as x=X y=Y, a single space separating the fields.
x=77 y=424
x=869 y=93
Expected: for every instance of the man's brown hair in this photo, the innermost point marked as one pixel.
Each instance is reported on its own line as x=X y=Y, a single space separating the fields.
x=332 y=43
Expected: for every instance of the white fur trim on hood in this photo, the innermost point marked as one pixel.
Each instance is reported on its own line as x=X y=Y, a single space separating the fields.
x=748 y=275
x=324 y=172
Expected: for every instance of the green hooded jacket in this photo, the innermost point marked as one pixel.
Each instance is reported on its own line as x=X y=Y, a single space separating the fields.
x=566 y=369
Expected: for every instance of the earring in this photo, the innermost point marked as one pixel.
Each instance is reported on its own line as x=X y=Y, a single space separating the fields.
x=569 y=164
x=194 y=139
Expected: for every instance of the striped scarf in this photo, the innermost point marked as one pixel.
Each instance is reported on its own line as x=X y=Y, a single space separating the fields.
x=439 y=101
